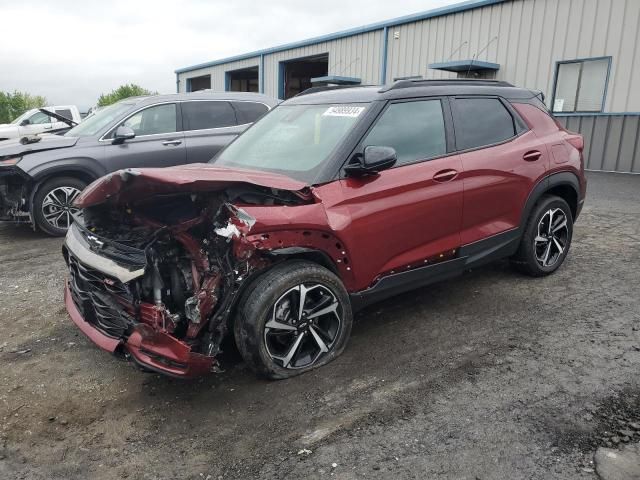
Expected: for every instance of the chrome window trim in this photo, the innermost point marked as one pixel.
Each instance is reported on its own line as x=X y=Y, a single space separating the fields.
x=113 y=127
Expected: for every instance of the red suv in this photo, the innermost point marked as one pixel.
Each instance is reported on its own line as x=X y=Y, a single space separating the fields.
x=337 y=198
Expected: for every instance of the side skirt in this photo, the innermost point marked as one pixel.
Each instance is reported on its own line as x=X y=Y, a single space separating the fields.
x=469 y=256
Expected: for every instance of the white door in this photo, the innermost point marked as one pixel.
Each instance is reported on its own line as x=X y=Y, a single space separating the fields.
x=37 y=123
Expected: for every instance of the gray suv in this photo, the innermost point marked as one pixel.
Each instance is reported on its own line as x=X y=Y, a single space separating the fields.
x=40 y=176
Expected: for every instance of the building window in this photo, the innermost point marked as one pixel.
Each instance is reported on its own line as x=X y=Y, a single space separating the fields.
x=581 y=85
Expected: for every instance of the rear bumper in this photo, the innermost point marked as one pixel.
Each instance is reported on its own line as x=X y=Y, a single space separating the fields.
x=149 y=348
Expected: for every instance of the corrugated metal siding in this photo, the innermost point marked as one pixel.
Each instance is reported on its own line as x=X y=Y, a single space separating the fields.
x=527 y=37
x=217 y=73
x=610 y=142
x=355 y=56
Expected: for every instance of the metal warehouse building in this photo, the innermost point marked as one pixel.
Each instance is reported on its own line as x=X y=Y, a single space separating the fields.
x=583 y=54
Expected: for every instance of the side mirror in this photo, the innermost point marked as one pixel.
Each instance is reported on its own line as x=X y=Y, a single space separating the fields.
x=123 y=133
x=25 y=122
x=373 y=160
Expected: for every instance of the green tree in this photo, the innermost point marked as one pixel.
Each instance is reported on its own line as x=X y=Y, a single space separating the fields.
x=122 y=92
x=12 y=105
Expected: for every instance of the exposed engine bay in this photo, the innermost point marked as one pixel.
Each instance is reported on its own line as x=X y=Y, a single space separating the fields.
x=161 y=277
x=13 y=197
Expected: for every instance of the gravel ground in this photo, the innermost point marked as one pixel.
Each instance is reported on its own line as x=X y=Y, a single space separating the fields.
x=489 y=376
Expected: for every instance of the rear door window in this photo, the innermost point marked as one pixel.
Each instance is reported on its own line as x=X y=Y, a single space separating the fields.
x=481 y=122
x=416 y=130
x=249 y=112
x=201 y=115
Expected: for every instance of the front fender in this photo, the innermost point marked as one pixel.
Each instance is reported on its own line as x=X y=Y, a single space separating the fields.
x=88 y=168
x=299 y=242
x=9 y=132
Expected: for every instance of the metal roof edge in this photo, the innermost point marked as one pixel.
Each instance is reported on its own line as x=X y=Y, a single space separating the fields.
x=394 y=22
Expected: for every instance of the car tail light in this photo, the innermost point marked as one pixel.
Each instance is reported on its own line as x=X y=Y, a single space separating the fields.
x=577 y=141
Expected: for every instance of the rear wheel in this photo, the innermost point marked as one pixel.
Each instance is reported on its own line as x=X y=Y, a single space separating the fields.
x=53 y=209
x=294 y=318
x=547 y=237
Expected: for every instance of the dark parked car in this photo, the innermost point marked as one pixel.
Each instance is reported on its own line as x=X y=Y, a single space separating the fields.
x=41 y=176
x=333 y=200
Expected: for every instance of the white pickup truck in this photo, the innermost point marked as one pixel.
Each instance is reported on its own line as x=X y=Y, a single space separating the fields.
x=54 y=119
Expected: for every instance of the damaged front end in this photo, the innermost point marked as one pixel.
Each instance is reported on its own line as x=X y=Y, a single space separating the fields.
x=14 y=194
x=156 y=279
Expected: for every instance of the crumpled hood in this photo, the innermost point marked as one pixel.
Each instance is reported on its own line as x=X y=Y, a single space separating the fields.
x=14 y=148
x=123 y=186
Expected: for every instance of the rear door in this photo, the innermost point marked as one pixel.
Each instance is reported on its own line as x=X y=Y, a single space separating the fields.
x=209 y=126
x=409 y=215
x=502 y=160
x=159 y=141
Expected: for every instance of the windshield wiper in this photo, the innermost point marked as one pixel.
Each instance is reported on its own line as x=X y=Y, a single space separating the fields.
x=62 y=118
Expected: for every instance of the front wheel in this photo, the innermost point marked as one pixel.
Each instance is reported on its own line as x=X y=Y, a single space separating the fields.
x=53 y=209
x=294 y=318
x=547 y=237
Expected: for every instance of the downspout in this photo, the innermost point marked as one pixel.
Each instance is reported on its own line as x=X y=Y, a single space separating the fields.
x=383 y=60
x=177 y=83
x=262 y=73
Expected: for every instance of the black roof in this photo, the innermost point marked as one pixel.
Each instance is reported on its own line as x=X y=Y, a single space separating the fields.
x=411 y=89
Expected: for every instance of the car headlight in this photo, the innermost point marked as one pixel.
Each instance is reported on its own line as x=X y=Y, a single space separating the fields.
x=10 y=161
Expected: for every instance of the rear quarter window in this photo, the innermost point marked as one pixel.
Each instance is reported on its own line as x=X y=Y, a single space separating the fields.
x=249 y=112
x=481 y=122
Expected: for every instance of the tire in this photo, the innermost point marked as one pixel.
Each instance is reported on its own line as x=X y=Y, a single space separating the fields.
x=540 y=253
x=53 y=197
x=272 y=301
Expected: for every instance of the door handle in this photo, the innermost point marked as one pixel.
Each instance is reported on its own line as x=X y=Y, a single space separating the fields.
x=445 y=175
x=532 y=156
x=172 y=142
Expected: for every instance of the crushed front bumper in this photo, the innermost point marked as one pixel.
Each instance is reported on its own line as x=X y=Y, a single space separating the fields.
x=149 y=348
x=99 y=302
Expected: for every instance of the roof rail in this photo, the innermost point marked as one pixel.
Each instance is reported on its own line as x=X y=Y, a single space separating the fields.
x=324 y=88
x=438 y=83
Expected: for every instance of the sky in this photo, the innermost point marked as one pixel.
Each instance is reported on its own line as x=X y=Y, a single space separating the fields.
x=71 y=51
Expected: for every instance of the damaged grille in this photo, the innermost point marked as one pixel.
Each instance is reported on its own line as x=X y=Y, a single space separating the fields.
x=102 y=301
x=128 y=256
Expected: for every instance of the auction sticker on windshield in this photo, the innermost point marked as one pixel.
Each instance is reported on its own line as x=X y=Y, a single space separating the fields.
x=343 y=111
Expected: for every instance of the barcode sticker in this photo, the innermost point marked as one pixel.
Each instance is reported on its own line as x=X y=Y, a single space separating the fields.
x=343 y=111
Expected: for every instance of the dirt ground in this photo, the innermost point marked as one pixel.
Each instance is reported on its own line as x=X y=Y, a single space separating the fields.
x=489 y=376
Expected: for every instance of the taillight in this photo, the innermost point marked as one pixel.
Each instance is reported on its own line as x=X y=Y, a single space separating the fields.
x=577 y=141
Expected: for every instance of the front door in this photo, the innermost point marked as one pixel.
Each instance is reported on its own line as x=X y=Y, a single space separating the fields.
x=38 y=122
x=409 y=215
x=159 y=141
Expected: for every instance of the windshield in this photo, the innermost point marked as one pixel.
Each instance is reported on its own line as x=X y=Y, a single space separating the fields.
x=95 y=123
x=294 y=140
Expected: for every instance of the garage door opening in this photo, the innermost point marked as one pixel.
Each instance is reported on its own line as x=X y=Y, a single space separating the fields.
x=244 y=80
x=196 y=84
x=296 y=75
